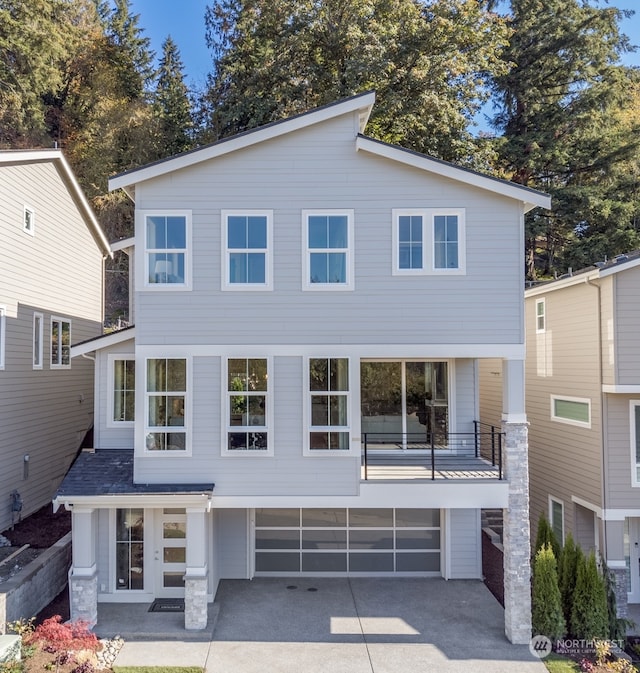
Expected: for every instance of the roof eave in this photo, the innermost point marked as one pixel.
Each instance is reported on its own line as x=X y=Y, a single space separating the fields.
x=103 y=341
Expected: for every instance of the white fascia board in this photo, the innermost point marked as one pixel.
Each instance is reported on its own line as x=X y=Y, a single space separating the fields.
x=461 y=494
x=621 y=266
x=622 y=389
x=103 y=342
x=56 y=156
x=192 y=500
x=124 y=244
x=561 y=283
x=361 y=104
x=530 y=198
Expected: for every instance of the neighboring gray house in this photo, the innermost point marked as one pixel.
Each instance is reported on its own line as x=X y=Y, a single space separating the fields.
x=51 y=259
x=310 y=308
x=583 y=404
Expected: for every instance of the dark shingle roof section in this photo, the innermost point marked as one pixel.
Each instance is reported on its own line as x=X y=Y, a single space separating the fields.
x=110 y=472
x=102 y=336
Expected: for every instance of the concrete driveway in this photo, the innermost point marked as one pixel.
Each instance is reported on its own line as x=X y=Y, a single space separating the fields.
x=367 y=625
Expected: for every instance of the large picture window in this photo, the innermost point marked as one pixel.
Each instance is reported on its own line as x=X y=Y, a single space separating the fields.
x=166 y=404
x=60 y=343
x=329 y=400
x=329 y=250
x=247 y=242
x=167 y=248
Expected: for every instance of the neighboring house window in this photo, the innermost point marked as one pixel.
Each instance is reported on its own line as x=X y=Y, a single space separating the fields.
x=248 y=406
x=571 y=410
x=124 y=387
x=329 y=250
x=328 y=405
x=3 y=330
x=38 y=328
x=129 y=549
x=60 y=342
x=634 y=414
x=29 y=221
x=429 y=241
x=556 y=518
x=166 y=391
x=540 y=316
x=247 y=244
x=167 y=249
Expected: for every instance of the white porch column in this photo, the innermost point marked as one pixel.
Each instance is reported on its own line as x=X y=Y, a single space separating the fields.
x=196 y=575
x=516 y=536
x=83 y=578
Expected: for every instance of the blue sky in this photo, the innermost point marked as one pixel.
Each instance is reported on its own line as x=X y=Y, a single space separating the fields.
x=184 y=21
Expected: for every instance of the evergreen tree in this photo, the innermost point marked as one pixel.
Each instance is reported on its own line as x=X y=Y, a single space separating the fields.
x=546 y=536
x=547 y=618
x=567 y=575
x=558 y=109
x=427 y=61
x=172 y=103
x=589 y=615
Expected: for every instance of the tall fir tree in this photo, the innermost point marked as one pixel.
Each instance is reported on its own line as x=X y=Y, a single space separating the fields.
x=567 y=575
x=546 y=606
x=589 y=612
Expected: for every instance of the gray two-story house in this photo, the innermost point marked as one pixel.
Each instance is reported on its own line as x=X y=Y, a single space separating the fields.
x=299 y=395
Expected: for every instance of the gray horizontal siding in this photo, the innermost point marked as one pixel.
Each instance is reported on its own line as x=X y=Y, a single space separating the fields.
x=620 y=493
x=319 y=168
x=627 y=325
x=232 y=542
x=464 y=544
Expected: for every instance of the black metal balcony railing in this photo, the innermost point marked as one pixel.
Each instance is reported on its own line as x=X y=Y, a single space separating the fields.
x=458 y=455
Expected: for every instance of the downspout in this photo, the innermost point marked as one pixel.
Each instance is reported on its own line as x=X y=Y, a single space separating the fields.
x=603 y=480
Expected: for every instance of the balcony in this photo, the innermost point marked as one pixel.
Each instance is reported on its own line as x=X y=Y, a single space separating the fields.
x=433 y=456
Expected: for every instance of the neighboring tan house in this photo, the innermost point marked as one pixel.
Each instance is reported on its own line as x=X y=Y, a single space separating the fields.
x=51 y=260
x=310 y=308
x=583 y=406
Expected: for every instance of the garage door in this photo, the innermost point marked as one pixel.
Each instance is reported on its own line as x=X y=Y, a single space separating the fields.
x=347 y=541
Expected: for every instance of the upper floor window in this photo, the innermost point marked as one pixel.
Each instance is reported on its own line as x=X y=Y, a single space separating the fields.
x=571 y=410
x=167 y=249
x=60 y=342
x=247 y=260
x=166 y=396
x=124 y=388
x=29 y=220
x=541 y=323
x=429 y=241
x=634 y=416
x=248 y=407
x=328 y=426
x=38 y=328
x=329 y=250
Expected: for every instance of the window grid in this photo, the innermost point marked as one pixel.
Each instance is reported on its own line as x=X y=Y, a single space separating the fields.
x=166 y=393
x=329 y=404
x=166 y=249
x=328 y=237
x=247 y=236
x=540 y=315
x=60 y=343
x=124 y=373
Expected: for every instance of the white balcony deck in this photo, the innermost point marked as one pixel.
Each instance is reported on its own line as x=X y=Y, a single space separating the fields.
x=403 y=467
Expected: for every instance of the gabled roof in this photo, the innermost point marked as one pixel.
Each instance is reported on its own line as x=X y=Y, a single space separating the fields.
x=361 y=103
x=103 y=341
x=55 y=156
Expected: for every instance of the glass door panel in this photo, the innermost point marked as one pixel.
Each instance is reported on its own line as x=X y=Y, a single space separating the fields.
x=381 y=395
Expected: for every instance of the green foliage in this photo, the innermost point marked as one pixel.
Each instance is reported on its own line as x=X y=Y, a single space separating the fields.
x=546 y=536
x=571 y=554
x=589 y=616
x=427 y=61
x=546 y=615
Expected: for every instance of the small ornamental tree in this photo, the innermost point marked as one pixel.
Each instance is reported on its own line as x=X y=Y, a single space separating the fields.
x=547 y=616
x=589 y=614
x=567 y=575
x=545 y=536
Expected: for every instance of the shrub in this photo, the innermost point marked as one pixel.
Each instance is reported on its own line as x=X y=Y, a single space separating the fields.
x=567 y=575
x=547 y=616
x=589 y=615
x=545 y=535
x=55 y=636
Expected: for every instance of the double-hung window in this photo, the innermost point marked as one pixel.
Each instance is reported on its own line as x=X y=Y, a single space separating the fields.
x=166 y=393
x=634 y=416
x=246 y=250
x=328 y=239
x=38 y=329
x=123 y=377
x=541 y=323
x=329 y=401
x=60 y=342
x=428 y=241
x=247 y=407
x=167 y=237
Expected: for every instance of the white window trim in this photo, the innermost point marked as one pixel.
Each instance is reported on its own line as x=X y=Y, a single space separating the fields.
x=541 y=330
x=32 y=229
x=142 y=403
x=307 y=285
x=428 y=242
x=40 y=333
x=225 y=427
x=568 y=421
x=354 y=446
x=557 y=501
x=55 y=318
x=632 y=438
x=142 y=276
x=111 y=422
x=268 y=265
x=3 y=333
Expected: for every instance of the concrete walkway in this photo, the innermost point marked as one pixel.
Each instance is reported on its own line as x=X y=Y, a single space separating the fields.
x=339 y=625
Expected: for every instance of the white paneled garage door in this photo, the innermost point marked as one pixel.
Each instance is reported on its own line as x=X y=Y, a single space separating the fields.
x=347 y=541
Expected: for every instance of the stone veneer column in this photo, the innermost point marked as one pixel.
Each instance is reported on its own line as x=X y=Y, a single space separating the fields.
x=196 y=580
x=516 y=541
x=83 y=598
x=83 y=578
x=195 y=603
x=620 y=588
